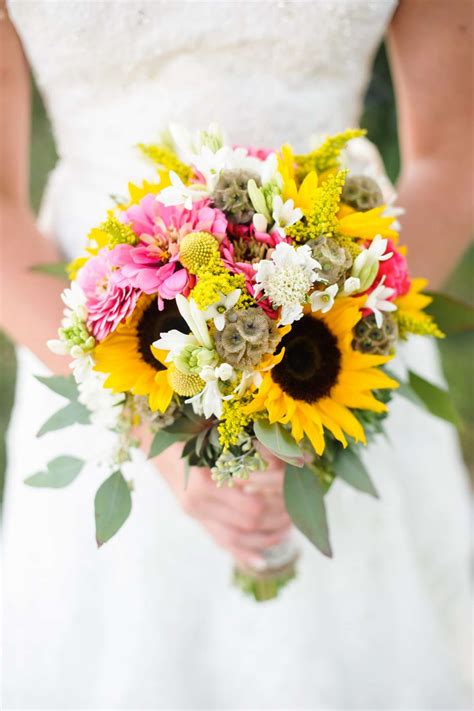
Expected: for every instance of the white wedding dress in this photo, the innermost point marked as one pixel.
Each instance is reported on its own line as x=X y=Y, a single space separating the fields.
x=150 y=621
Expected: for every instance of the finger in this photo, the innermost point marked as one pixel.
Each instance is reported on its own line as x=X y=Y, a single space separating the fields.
x=269 y=481
x=217 y=512
x=231 y=537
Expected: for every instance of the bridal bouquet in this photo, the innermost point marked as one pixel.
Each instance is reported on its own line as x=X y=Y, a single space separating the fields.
x=248 y=300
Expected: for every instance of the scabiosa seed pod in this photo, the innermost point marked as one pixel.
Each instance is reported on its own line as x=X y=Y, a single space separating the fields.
x=231 y=195
x=247 y=336
x=362 y=193
x=335 y=260
x=369 y=338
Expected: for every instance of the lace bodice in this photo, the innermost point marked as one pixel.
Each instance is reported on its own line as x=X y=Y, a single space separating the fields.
x=114 y=73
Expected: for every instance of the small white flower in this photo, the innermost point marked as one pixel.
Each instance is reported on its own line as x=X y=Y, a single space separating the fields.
x=324 y=300
x=104 y=405
x=287 y=278
x=366 y=264
x=285 y=214
x=351 y=285
x=209 y=401
x=260 y=222
x=180 y=194
x=269 y=171
x=217 y=311
x=57 y=347
x=174 y=341
x=74 y=298
x=377 y=301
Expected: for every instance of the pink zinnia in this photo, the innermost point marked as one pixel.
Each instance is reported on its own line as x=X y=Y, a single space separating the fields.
x=395 y=271
x=141 y=270
x=109 y=299
x=162 y=228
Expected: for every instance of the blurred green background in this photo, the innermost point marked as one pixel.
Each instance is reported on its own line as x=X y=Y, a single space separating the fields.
x=380 y=119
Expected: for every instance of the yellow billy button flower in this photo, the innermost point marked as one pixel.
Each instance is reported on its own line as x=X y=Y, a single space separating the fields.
x=197 y=251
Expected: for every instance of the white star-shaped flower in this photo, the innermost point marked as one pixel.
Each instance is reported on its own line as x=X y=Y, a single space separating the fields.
x=324 y=300
x=217 y=311
x=377 y=301
x=285 y=214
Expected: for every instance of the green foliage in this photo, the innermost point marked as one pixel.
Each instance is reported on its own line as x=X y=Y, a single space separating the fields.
x=161 y=441
x=59 y=473
x=7 y=397
x=113 y=503
x=349 y=467
x=67 y=387
x=58 y=270
x=435 y=399
x=304 y=499
x=73 y=413
x=275 y=438
x=453 y=316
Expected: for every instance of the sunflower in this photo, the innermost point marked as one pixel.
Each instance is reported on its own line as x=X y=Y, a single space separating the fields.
x=320 y=378
x=366 y=225
x=130 y=360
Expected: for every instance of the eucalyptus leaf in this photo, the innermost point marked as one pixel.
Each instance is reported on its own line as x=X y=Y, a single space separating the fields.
x=161 y=441
x=349 y=467
x=66 y=387
x=113 y=503
x=189 y=448
x=200 y=439
x=435 y=399
x=184 y=426
x=452 y=315
x=74 y=413
x=275 y=438
x=59 y=473
x=304 y=499
x=55 y=269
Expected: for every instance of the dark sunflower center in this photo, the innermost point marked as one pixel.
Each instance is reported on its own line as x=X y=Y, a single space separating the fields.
x=312 y=361
x=154 y=322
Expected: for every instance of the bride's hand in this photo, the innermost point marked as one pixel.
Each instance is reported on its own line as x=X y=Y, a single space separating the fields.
x=244 y=519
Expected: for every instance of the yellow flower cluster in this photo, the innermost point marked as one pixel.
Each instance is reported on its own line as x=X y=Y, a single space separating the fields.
x=73 y=267
x=117 y=232
x=233 y=421
x=420 y=324
x=322 y=216
x=166 y=158
x=326 y=156
x=210 y=286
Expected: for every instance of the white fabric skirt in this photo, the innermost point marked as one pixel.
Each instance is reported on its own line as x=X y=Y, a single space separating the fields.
x=151 y=621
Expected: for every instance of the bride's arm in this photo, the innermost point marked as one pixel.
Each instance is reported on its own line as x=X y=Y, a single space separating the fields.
x=430 y=47
x=30 y=307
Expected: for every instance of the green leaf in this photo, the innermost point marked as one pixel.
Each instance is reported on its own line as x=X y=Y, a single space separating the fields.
x=304 y=499
x=113 y=503
x=452 y=315
x=187 y=471
x=279 y=441
x=60 y=472
x=56 y=270
x=185 y=426
x=66 y=387
x=161 y=441
x=435 y=399
x=74 y=413
x=349 y=467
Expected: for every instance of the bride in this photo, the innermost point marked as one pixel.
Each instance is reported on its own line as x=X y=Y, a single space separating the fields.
x=150 y=620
